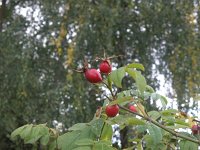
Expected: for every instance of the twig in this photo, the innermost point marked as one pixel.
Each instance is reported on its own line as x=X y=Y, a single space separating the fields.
x=196 y=120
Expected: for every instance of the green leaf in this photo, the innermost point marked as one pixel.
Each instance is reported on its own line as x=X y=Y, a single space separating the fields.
x=84 y=142
x=96 y=126
x=83 y=148
x=107 y=132
x=139 y=79
x=149 y=141
x=134 y=121
x=155 y=133
x=169 y=112
x=131 y=72
x=126 y=120
x=90 y=132
x=187 y=145
x=78 y=126
x=139 y=145
x=45 y=139
x=141 y=128
x=116 y=76
x=67 y=140
x=124 y=93
x=103 y=145
x=156 y=96
x=26 y=133
x=32 y=133
x=17 y=132
x=36 y=133
x=149 y=89
x=136 y=65
x=154 y=114
x=182 y=122
x=163 y=101
x=121 y=100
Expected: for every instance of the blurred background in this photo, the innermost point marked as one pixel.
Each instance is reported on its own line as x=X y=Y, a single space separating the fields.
x=40 y=41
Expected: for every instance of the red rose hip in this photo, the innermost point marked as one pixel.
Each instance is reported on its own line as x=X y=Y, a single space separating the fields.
x=132 y=108
x=93 y=76
x=112 y=111
x=195 y=129
x=105 y=67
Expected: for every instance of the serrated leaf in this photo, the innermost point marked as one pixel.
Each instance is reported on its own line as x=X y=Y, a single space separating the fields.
x=141 y=128
x=103 y=145
x=17 y=132
x=116 y=76
x=154 y=114
x=26 y=133
x=96 y=125
x=121 y=100
x=155 y=133
x=163 y=101
x=91 y=131
x=131 y=73
x=136 y=65
x=134 y=121
x=83 y=148
x=187 y=145
x=84 y=142
x=139 y=79
x=36 y=133
x=169 y=112
x=140 y=82
x=78 y=126
x=126 y=120
x=156 y=96
x=67 y=140
x=45 y=139
x=182 y=122
x=32 y=133
x=124 y=93
x=107 y=132
x=149 y=89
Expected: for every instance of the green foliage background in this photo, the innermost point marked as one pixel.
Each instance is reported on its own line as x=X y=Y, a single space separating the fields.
x=36 y=82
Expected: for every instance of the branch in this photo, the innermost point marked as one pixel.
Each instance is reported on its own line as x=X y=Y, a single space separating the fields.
x=162 y=126
x=196 y=120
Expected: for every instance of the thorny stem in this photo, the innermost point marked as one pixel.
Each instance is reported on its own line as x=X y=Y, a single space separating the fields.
x=162 y=126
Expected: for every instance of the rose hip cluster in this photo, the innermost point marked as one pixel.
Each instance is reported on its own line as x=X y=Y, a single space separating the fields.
x=94 y=76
